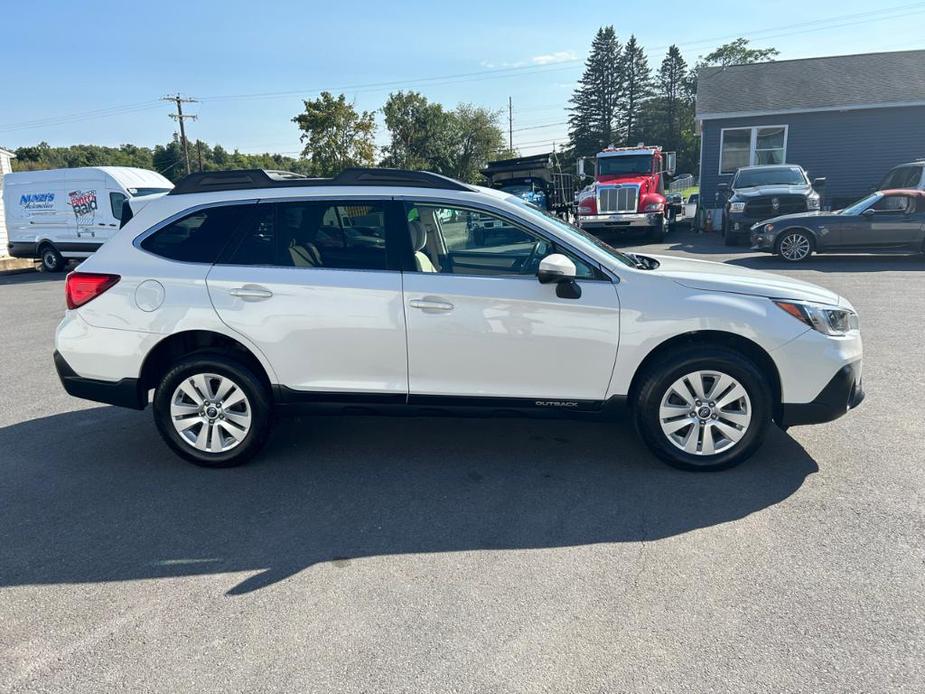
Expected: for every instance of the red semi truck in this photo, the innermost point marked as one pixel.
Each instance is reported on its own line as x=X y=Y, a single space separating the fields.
x=628 y=191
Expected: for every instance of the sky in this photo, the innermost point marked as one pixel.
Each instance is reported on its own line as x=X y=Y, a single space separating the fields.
x=93 y=72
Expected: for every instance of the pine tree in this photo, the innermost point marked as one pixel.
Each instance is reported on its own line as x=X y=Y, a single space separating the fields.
x=592 y=125
x=672 y=76
x=636 y=80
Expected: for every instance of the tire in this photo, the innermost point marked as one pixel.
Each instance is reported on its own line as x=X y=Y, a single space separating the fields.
x=52 y=261
x=657 y=233
x=734 y=430
x=728 y=239
x=794 y=245
x=232 y=430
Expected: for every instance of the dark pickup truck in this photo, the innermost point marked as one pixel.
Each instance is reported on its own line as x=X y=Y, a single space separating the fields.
x=762 y=192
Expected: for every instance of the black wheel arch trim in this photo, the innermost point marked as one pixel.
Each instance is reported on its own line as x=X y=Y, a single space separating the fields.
x=123 y=393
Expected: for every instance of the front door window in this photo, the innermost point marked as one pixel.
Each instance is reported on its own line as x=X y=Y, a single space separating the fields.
x=458 y=241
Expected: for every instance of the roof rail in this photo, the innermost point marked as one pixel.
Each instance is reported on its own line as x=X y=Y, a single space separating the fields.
x=247 y=179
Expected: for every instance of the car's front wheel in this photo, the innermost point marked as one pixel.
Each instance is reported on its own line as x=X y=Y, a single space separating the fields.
x=795 y=246
x=212 y=411
x=703 y=408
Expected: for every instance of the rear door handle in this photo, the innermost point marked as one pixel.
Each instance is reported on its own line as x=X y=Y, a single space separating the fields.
x=251 y=292
x=430 y=304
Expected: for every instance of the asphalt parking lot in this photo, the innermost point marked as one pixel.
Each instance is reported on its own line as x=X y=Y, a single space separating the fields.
x=391 y=554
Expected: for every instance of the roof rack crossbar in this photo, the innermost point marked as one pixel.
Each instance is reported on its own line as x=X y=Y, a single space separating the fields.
x=246 y=179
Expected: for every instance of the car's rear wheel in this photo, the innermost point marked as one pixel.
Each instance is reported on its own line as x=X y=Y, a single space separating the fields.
x=212 y=411
x=795 y=246
x=703 y=409
x=52 y=260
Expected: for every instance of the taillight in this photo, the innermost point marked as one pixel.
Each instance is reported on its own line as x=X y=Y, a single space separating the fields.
x=81 y=287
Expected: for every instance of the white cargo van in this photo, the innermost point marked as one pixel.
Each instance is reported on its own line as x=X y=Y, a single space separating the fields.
x=60 y=214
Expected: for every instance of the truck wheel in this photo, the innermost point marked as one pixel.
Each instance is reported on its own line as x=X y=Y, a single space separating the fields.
x=728 y=238
x=657 y=233
x=52 y=261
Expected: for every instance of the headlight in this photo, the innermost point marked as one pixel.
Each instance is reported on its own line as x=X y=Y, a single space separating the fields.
x=768 y=228
x=583 y=209
x=812 y=203
x=829 y=320
x=737 y=207
x=654 y=207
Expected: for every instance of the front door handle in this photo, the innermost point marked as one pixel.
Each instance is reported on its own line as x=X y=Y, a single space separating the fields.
x=431 y=304
x=251 y=292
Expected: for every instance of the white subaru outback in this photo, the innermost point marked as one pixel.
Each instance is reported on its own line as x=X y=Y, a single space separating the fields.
x=244 y=293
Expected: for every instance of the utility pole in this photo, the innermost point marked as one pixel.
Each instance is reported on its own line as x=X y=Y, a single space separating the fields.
x=180 y=117
x=199 y=151
x=510 y=124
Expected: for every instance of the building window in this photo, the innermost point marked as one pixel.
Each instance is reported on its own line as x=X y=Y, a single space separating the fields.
x=766 y=144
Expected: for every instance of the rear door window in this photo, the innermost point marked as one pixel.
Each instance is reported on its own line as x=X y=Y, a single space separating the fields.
x=339 y=235
x=200 y=236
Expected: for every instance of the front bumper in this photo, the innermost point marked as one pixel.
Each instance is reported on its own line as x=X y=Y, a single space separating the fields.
x=617 y=221
x=762 y=241
x=123 y=393
x=844 y=392
x=739 y=225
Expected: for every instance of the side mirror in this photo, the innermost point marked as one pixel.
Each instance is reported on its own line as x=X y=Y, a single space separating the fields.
x=671 y=162
x=559 y=269
x=556 y=268
x=819 y=182
x=869 y=212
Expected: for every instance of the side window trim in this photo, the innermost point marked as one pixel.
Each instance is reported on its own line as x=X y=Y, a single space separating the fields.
x=410 y=200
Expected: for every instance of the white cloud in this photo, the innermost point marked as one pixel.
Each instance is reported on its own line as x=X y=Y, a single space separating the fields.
x=556 y=57
x=546 y=59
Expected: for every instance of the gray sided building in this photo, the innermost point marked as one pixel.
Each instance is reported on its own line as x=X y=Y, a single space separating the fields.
x=847 y=118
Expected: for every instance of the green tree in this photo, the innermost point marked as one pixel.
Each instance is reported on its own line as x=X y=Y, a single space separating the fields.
x=335 y=135
x=594 y=104
x=738 y=53
x=636 y=89
x=420 y=132
x=672 y=93
x=475 y=138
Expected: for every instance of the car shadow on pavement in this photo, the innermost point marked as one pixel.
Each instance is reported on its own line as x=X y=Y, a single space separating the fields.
x=94 y=495
x=836 y=263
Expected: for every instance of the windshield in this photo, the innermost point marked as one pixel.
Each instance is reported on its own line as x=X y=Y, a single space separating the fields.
x=574 y=232
x=776 y=176
x=624 y=164
x=862 y=204
x=138 y=192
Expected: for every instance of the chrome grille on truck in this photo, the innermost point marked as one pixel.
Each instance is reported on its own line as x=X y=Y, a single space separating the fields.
x=612 y=199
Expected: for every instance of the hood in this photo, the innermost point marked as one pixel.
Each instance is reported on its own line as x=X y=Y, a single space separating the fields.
x=761 y=191
x=722 y=277
x=815 y=216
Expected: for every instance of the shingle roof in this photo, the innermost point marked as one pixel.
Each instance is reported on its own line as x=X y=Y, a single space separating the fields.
x=836 y=83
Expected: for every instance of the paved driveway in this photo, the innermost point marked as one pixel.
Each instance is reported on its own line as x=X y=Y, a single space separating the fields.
x=444 y=554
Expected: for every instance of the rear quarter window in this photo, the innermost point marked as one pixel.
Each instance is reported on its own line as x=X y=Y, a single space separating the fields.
x=198 y=237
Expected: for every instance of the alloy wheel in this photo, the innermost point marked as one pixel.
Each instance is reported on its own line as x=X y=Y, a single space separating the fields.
x=210 y=412
x=794 y=247
x=705 y=413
